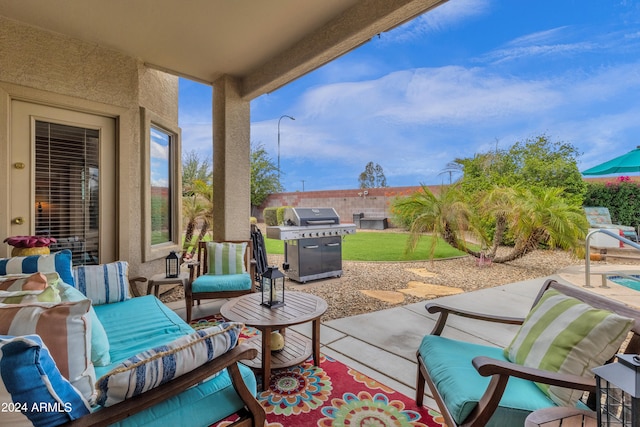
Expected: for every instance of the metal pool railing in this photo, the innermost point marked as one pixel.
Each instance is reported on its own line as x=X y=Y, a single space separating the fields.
x=587 y=254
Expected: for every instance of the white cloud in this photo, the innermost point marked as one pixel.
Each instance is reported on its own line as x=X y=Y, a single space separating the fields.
x=158 y=150
x=456 y=95
x=414 y=122
x=445 y=16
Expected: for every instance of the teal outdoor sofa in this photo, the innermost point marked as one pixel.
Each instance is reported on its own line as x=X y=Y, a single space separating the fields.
x=132 y=362
x=139 y=324
x=479 y=385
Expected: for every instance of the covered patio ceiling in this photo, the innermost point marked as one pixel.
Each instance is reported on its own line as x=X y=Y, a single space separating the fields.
x=263 y=43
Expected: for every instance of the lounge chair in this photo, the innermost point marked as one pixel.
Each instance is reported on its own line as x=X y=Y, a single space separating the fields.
x=600 y=217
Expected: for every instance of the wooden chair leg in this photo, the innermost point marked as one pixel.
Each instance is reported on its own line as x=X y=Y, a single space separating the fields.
x=189 y=303
x=419 y=387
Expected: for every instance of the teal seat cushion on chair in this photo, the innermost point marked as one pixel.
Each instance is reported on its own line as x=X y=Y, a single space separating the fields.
x=461 y=386
x=221 y=283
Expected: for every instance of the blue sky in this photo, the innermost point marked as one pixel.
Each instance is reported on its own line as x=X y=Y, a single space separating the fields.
x=467 y=77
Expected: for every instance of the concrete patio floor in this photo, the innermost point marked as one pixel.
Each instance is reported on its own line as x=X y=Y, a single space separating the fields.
x=383 y=344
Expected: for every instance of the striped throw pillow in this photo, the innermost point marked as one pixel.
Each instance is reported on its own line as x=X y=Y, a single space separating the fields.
x=100 y=346
x=159 y=365
x=104 y=283
x=58 y=262
x=23 y=289
x=65 y=330
x=27 y=282
x=226 y=258
x=562 y=334
x=50 y=294
x=32 y=391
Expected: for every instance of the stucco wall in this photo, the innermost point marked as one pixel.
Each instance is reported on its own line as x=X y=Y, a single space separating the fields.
x=52 y=62
x=49 y=68
x=375 y=204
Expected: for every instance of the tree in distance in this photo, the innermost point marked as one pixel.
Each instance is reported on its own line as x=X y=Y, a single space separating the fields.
x=265 y=179
x=372 y=176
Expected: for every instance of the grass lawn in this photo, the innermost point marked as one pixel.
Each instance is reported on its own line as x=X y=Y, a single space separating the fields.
x=367 y=246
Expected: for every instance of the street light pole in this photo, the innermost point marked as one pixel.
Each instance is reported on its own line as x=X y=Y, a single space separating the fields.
x=281 y=117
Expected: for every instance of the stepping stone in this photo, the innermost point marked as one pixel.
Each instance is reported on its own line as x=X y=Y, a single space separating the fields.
x=392 y=297
x=421 y=289
x=422 y=272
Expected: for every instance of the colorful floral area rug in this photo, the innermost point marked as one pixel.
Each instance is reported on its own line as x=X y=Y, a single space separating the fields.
x=332 y=395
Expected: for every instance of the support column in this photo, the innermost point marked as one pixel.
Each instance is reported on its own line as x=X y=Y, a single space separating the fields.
x=231 y=161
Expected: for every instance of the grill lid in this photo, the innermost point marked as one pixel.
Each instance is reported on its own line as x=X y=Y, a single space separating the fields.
x=311 y=216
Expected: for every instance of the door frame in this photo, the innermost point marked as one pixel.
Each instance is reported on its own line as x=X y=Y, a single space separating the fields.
x=23 y=183
x=124 y=154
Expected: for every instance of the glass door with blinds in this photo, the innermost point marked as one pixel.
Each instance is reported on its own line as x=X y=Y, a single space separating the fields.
x=70 y=194
x=67 y=182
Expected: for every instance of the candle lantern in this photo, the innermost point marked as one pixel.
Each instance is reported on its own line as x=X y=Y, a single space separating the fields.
x=172 y=265
x=272 y=284
x=618 y=392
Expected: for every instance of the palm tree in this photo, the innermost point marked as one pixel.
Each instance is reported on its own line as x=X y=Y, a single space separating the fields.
x=532 y=217
x=543 y=216
x=445 y=214
x=196 y=183
x=192 y=210
x=497 y=204
x=204 y=192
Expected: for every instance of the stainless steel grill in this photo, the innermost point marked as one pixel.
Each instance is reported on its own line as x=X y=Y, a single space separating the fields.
x=312 y=242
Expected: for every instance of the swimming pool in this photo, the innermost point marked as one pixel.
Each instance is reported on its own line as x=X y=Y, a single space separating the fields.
x=627 y=282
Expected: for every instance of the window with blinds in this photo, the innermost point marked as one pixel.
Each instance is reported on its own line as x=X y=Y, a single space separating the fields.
x=67 y=188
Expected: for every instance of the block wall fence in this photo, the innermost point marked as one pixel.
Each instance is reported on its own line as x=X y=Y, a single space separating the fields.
x=375 y=204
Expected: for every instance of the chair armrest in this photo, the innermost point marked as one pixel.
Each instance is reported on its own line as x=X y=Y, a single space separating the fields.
x=444 y=312
x=109 y=415
x=194 y=271
x=500 y=372
x=133 y=284
x=487 y=366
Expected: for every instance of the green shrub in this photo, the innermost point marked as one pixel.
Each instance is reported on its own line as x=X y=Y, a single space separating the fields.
x=621 y=197
x=400 y=215
x=270 y=216
x=280 y=214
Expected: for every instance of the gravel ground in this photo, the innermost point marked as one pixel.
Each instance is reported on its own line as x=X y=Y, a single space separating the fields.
x=352 y=293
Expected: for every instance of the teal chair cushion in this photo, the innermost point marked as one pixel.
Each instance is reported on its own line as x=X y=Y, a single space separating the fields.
x=449 y=365
x=221 y=283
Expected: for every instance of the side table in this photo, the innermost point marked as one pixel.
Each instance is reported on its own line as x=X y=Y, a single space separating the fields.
x=161 y=279
x=561 y=416
x=300 y=307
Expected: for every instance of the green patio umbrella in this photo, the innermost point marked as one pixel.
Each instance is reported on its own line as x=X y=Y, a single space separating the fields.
x=629 y=162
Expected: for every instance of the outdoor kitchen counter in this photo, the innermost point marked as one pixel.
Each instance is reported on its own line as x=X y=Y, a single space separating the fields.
x=300 y=307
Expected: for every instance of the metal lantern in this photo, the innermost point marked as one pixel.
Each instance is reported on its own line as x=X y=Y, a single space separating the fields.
x=272 y=284
x=618 y=392
x=172 y=265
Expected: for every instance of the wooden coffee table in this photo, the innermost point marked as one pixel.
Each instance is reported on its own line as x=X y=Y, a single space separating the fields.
x=300 y=307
